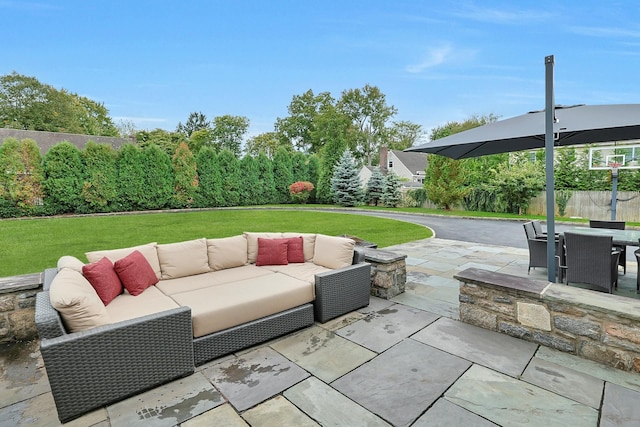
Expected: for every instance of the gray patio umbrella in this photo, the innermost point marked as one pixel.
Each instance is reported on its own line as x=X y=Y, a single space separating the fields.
x=572 y=125
x=577 y=124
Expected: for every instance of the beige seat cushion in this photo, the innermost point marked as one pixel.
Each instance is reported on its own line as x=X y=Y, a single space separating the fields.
x=148 y=251
x=126 y=306
x=252 y=243
x=214 y=278
x=303 y=271
x=220 y=307
x=183 y=258
x=227 y=252
x=333 y=252
x=77 y=302
x=308 y=243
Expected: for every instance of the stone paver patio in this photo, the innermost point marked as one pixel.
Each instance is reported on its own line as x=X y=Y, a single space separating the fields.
x=407 y=361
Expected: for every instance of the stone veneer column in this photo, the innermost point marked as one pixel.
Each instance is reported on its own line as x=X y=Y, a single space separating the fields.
x=388 y=272
x=17 y=307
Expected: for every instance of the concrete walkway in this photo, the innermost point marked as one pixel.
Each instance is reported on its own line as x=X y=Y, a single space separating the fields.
x=402 y=362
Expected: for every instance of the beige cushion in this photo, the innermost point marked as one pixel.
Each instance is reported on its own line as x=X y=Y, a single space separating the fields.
x=220 y=307
x=303 y=271
x=127 y=306
x=227 y=252
x=308 y=243
x=148 y=251
x=252 y=243
x=183 y=258
x=71 y=262
x=333 y=252
x=214 y=278
x=76 y=300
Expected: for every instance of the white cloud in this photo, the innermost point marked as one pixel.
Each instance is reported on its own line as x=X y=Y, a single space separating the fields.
x=435 y=56
x=605 y=32
x=504 y=16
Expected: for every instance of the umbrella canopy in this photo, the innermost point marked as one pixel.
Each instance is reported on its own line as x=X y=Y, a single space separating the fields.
x=579 y=124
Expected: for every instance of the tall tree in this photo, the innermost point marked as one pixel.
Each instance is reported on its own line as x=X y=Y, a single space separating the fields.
x=368 y=109
x=404 y=134
x=298 y=127
x=332 y=133
x=267 y=143
x=250 y=183
x=375 y=187
x=157 y=178
x=196 y=121
x=64 y=177
x=266 y=181
x=346 y=188
x=444 y=181
x=231 y=176
x=300 y=167
x=26 y=103
x=228 y=132
x=100 y=188
x=282 y=174
x=167 y=141
x=391 y=194
x=209 y=179
x=185 y=177
x=21 y=180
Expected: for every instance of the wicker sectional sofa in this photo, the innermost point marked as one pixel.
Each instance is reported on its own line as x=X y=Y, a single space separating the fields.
x=212 y=297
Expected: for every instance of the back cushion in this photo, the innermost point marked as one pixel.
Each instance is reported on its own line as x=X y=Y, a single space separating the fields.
x=183 y=258
x=227 y=252
x=252 y=243
x=333 y=252
x=148 y=251
x=308 y=243
x=68 y=261
x=77 y=302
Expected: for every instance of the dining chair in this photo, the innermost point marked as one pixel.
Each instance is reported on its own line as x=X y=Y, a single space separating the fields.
x=637 y=254
x=538 y=249
x=613 y=225
x=591 y=260
x=537 y=227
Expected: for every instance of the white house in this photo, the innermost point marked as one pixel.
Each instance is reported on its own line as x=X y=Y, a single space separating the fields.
x=409 y=166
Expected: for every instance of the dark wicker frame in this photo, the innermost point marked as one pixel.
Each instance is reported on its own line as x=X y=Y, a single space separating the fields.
x=614 y=225
x=100 y=366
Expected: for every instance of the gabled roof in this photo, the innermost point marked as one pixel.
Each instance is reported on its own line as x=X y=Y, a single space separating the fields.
x=413 y=161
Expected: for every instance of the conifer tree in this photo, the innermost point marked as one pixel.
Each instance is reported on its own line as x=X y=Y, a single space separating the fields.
x=282 y=174
x=345 y=183
x=231 y=175
x=249 y=184
x=185 y=175
x=64 y=177
x=375 y=187
x=100 y=186
x=391 y=195
x=266 y=182
x=209 y=192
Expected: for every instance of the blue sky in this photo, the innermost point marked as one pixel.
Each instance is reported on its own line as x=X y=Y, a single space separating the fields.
x=154 y=62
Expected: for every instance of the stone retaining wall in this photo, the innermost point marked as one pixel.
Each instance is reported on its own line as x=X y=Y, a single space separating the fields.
x=17 y=307
x=594 y=325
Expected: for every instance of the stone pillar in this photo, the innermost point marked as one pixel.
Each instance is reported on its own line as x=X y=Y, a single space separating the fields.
x=388 y=272
x=17 y=307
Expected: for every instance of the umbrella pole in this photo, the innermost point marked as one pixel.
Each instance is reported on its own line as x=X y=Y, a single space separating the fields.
x=548 y=143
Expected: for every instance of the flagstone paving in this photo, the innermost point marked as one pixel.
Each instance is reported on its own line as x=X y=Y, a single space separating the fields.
x=406 y=361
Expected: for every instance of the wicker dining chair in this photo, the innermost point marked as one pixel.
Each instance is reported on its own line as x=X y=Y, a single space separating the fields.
x=613 y=225
x=637 y=254
x=537 y=248
x=591 y=260
x=537 y=227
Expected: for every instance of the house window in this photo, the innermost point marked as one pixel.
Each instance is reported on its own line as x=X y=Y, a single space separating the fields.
x=390 y=164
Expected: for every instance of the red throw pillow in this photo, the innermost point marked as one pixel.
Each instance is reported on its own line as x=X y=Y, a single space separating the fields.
x=272 y=252
x=103 y=279
x=135 y=272
x=295 y=252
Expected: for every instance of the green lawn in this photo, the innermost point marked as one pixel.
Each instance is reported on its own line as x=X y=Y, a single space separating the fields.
x=31 y=245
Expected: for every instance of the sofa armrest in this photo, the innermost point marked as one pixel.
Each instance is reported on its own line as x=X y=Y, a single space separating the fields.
x=48 y=321
x=49 y=274
x=342 y=290
x=358 y=255
x=98 y=366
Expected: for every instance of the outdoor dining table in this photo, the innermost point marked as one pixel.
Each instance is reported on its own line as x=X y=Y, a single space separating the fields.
x=620 y=237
